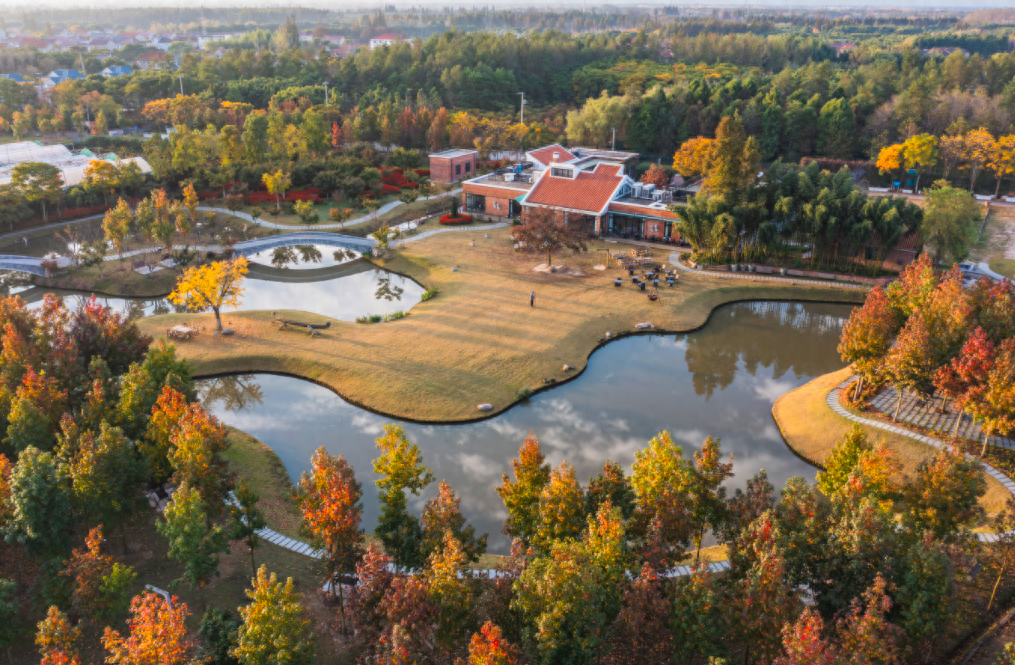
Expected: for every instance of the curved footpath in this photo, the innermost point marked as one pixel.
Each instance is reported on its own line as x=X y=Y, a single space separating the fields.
x=675 y=260
x=833 y=402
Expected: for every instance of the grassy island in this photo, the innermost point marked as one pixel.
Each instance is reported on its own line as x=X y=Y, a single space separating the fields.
x=478 y=341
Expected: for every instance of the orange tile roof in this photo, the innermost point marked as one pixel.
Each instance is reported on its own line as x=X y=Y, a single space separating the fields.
x=545 y=155
x=589 y=191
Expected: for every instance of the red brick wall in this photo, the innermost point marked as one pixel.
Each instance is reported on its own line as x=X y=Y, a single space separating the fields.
x=492 y=204
x=442 y=169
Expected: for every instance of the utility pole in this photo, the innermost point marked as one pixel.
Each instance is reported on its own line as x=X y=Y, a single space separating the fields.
x=613 y=143
x=523 y=106
x=181 y=84
x=325 y=93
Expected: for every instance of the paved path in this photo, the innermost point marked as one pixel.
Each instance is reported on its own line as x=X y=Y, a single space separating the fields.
x=446 y=229
x=387 y=207
x=922 y=412
x=675 y=260
x=833 y=402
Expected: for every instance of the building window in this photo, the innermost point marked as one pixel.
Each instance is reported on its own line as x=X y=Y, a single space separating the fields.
x=468 y=167
x=458 y=169
x=475 y=203
x=561 y=173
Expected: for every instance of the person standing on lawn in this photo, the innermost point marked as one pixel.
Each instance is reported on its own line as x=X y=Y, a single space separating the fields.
x=532 y=299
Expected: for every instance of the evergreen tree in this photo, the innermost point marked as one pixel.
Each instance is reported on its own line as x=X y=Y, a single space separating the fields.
x=836 y=130
x=40 y=501
x=192 y=542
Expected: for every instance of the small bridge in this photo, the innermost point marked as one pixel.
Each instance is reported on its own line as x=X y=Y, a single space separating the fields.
x=32 y=264
x=247 y=247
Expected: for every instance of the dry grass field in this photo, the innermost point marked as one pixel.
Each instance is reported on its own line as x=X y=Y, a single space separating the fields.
x=478 y=341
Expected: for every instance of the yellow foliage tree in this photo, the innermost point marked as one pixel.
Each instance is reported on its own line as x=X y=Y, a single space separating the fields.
x=690 y=159
x=102 y=176
x=211 y=286
x=978 y=147
x=277 y=184
x=1002 y=160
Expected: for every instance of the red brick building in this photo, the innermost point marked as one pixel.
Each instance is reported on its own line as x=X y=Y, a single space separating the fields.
x=588 y=186
x=453 y=165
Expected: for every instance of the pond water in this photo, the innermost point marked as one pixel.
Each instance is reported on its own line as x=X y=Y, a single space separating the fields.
x=344 y=290
x=721 y=380
x=304 y=257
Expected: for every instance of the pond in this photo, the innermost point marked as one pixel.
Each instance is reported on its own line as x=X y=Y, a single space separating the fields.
x=344 y=290
x=720 y=380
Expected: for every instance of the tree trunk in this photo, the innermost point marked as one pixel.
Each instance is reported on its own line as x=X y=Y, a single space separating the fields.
x=341 y=605
x=45 y=218
x=1000 y=576
x=983 y=451
x=916 y=190
x=997 y=191
x=218 y=318
x=253 y=566
x=958 y=422
x=898 y=405
x=278 y=206
x=548 y=258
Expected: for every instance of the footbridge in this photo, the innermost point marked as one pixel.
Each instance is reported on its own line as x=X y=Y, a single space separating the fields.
x=248 y=247
x=32 y=264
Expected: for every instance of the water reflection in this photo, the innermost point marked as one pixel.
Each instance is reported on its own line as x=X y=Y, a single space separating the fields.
x=303 y=257
x=344 y=292
x=232 y=393
x=721 y=380
x=14 y=282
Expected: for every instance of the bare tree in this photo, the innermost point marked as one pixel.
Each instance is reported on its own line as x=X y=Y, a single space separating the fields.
x=549 y=230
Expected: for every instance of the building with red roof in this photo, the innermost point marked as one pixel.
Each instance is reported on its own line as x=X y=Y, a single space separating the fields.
x=590 y=186
x=387 y=39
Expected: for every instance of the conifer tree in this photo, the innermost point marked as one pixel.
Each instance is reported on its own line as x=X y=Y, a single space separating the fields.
x=276 y=629
x=401 y=468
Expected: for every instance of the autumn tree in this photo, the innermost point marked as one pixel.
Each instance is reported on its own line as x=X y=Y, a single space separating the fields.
x=656 y=175
x=661 y=480
x=693 y=155
x=275 y=629
x=157 y=633
x=329 y=499
x=570 y=596
x=977 y=149
x=106 y=476
x=246 y=518
x=101 y=176
x=944 y=496
x=211 y=286
x=488 y=647
x=367 y=597
x=804 y=643
x=449 y=593
x=101 y=585
x=867 y=336
x=925 y=592
x=708 y=497
x=994 y=405
x=521 y=496
x=865 y=632
x=1002 y=160
x=1000 y=556
x=547 y=230
x=277 y=183
x=698 y=618
x=116 y=225
x=443 y=515
x=641 y=631
x=163 y=426
x=950 y=220
x=143 y=383
x=401 y=469
x=57 y=639
x=561 y=509
x=909 y=364
x=843 y=460
x=611 y=485
x=195 y=456
x=192 y=542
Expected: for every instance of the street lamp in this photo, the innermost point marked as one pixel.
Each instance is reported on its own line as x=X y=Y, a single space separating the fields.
x=325 y=93
x=181 y=84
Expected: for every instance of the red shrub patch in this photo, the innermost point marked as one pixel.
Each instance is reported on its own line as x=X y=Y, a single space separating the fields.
x=454 y=221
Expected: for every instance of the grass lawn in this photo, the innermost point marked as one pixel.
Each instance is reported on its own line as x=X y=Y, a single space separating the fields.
x=810 y=428
x=478 y=341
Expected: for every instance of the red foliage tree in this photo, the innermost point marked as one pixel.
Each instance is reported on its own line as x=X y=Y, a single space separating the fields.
x=963 y=378
x=803 y=643
x=547 y=230
x=867 y=336
x=488 y=647
x=158 y=633
x=336 y=136
x=865 y=633
x=329 y=500
x=641 y=630
x=910 y=364
x=374 y=579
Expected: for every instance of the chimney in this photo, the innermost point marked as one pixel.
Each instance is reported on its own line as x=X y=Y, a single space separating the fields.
x=556 y=156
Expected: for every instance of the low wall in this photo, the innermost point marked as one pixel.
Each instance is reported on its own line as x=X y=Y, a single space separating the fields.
x=792 y=272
